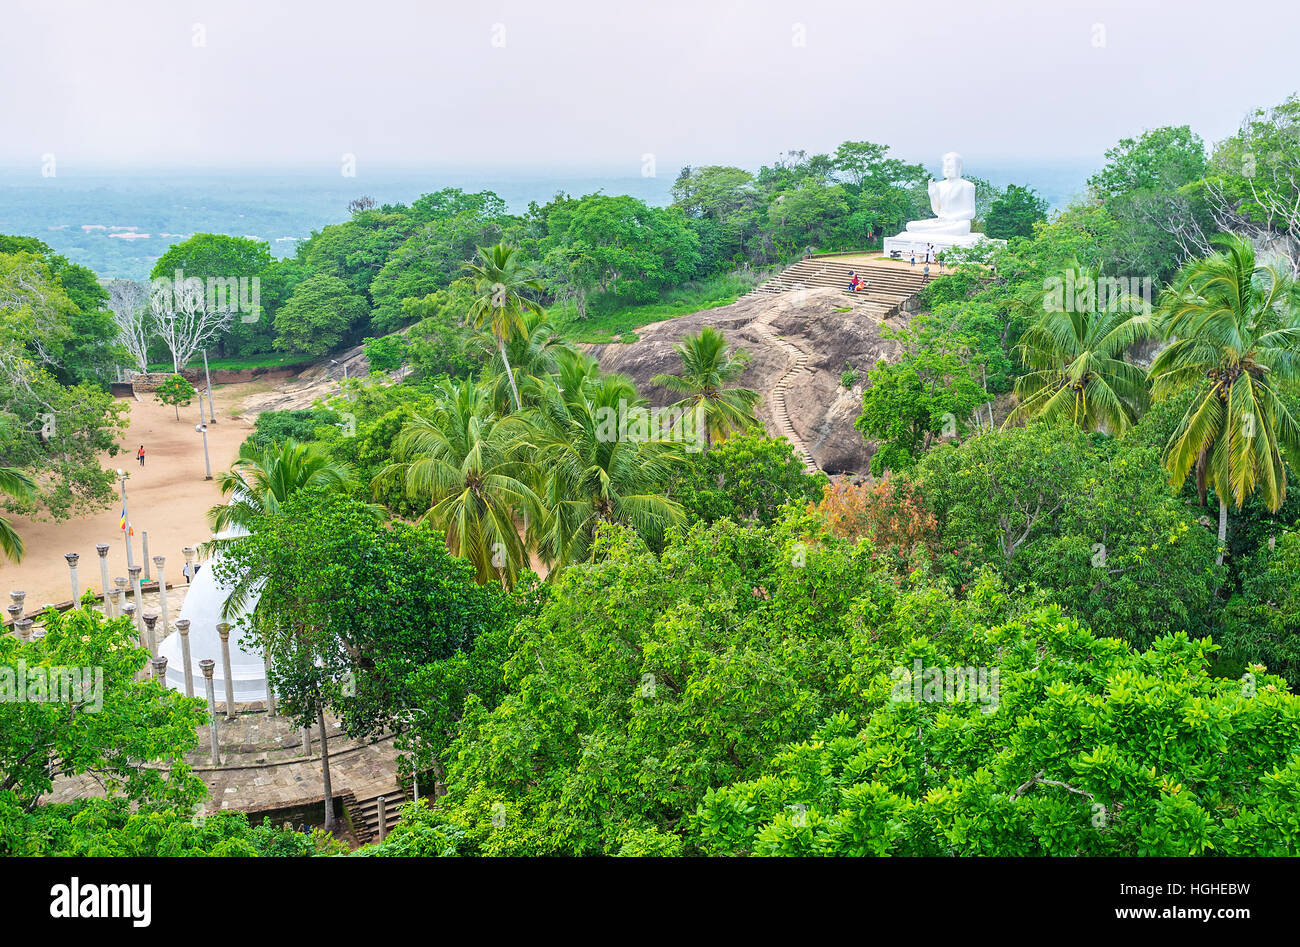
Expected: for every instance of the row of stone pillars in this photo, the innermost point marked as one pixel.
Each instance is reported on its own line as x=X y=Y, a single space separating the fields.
x=116 y=604
x=207 y=666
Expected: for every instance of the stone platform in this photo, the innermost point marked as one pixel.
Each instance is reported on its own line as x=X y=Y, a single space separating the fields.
x=264 y=765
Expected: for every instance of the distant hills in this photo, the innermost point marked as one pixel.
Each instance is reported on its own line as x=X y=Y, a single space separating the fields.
x=119 y=222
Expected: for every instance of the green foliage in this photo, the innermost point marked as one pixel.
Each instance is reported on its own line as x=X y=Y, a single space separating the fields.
x=444 y=229
x=747 y=478
x=79 y=345
x=646 y=681
x=708 y=368
x=1262 y=623
x=1151 y=186
x=300 y=424
x=318 y=316
x=102 y=722
x=1073 y=354
x=1086 y=520
x=1015 y=213
x=1089 y=747
x=470 y=463
x=97 y=828
x=385 y=354
x=1234 y=323
x=175 y=390
x=207 y=256
x=15 y=485
x=619 y=245
x=405 y=653
x=930 y=391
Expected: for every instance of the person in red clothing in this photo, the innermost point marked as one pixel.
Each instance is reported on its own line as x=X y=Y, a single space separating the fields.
x=139 y=455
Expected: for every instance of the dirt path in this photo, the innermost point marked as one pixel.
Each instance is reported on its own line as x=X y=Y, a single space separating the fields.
x=168 y=498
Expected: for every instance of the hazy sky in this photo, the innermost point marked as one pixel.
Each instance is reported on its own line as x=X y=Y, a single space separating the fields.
x=594 y=83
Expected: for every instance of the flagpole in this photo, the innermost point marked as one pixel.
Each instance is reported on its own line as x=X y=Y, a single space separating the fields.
x=126 y=521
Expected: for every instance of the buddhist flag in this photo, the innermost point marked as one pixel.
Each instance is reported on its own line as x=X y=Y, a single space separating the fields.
x=124 y=525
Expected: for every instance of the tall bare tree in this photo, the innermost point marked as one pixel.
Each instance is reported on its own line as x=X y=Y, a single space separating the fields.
x=128 y=301
x=184 y=320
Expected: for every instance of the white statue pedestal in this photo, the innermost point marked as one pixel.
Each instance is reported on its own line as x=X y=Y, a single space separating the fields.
x=907 y=241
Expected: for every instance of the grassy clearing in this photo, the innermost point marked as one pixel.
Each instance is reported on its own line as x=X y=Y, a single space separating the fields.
x=238 y=363
x=608 y=322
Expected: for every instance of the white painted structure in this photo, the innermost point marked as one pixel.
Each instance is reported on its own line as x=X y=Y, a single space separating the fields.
x=953 y=203
x=203 y=604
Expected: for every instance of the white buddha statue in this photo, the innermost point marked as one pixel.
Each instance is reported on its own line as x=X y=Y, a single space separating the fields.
x=952 y=200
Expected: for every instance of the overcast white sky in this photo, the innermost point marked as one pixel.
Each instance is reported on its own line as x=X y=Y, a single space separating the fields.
x=594 y=83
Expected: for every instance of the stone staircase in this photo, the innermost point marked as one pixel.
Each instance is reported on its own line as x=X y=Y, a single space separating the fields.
x=364 y=814
x=797 y=365
x=889 y=285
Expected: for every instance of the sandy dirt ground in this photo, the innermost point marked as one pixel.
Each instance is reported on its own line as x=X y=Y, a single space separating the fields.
x=168 y=498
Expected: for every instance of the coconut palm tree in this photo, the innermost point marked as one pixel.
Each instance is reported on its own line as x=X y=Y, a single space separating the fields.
x=592 y=470
x=1074 y=356
x=1234 y=326
x=258 y=483
x=708 y=367
x=468 y=461
x=263 y=478
x=533 y=354
x=501 y=278
x=17 y=484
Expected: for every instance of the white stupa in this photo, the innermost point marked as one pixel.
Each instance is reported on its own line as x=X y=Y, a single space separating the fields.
x=203 y=604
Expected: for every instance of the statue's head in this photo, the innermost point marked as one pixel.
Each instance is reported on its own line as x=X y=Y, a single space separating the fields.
x=952 y=166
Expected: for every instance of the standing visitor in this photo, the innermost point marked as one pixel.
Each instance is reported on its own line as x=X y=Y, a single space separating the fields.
x=186 y=571
x=914 y=258
x=139 y=455
x=926 y=277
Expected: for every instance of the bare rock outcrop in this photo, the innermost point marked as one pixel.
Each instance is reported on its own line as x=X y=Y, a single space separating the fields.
x=799 y=343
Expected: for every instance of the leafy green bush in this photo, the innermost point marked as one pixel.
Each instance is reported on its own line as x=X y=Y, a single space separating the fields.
x=1087 y=747
x=301 y=425
x=748 y=477
x=385 y=353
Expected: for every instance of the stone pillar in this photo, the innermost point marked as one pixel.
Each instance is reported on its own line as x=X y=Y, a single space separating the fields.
x=383 y=818
x=136 y=593
x=306 y=741
x=159 y=562
x=72 y=558
x=119 y=600
x=183 y=629
x=102 y=549
x=129 y=610
x=18 y=596
x=189 y=561
x=159 y=670
x=223 y=629
x=151 y=639
x=144 y=552
x=206 y=666
x=115 y=609
x=24 y=627
x=15 y=613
